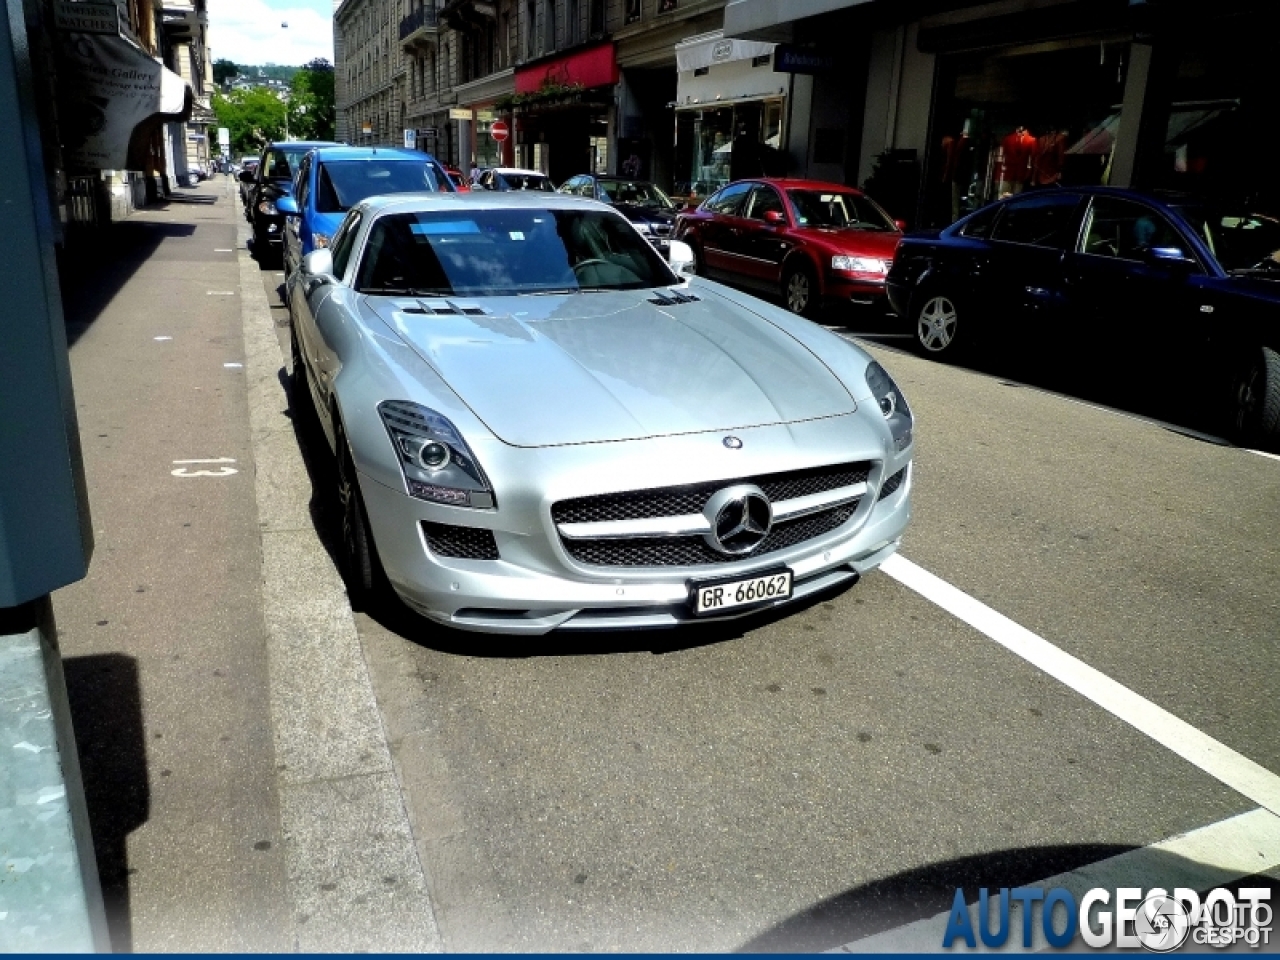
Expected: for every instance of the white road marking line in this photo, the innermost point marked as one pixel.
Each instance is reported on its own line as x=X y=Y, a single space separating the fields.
x=213 y=460
x=223 y=250
x=220 y=293
x=233 y=366
x=1199 y=749
x=162 y=338
x=1202 y=859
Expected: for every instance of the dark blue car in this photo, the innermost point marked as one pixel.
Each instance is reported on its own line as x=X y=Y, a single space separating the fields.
x=332 y=180
x=1173 y=285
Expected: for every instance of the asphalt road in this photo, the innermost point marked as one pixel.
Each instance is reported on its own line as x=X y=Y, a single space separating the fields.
x=801 y=782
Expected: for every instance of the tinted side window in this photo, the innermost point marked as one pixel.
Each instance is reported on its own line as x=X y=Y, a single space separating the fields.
x=728 y=200
x=1123 y=229
x=1045 y=220
x=571 y=186
x=343 y=241
x=764 y=199
x=979 y=225
x=302 y=188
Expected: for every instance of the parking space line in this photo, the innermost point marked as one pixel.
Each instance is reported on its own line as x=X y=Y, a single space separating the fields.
x=1212 y=856
x=1196 y=747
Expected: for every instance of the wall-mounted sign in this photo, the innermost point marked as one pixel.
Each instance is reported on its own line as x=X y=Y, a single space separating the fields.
x=411 y=139
x=87 y=17
x=788 y=58
x=428 y=133
x=722 y=51
x=459 y=114
x=483 y=115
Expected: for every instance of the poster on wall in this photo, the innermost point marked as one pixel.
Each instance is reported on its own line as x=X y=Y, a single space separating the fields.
x=107 y=89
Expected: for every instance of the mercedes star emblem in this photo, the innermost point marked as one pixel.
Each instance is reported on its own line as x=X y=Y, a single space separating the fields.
x=733 y=443
x=740 y=519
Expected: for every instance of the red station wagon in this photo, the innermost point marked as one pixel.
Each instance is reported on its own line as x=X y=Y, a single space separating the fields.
x=805 y=240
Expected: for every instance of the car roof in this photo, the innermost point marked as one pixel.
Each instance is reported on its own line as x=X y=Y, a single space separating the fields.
x=370 y=153
x=616 y=178
x=519 y=170
x=479 y=200
x=301 y=144
x=793 y=183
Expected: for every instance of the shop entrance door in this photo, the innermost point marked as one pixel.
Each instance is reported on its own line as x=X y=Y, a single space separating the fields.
x=745 y=159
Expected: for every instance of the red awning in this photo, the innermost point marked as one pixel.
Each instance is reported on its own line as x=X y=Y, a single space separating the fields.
x=595 y=67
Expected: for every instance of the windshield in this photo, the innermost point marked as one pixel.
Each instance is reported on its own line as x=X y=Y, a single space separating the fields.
x=844 y=210
x=523 y=181
x=343 y=184
x=282 y=164
x=1240 y=242
x=507 y=252
x=635 y=191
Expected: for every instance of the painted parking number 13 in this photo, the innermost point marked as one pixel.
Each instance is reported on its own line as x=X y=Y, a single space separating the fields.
x=185 y=468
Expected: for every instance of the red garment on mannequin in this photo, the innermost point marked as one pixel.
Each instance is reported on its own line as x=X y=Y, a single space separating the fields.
x=1048 y=157
x=953 y=149
x=1016 y=150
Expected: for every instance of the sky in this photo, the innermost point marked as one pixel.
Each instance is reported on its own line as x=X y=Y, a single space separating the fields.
x=250 y=31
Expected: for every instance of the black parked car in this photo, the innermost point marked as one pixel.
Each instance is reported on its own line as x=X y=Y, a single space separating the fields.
x=639 y=201
x=272 y=180
x=1175 y=286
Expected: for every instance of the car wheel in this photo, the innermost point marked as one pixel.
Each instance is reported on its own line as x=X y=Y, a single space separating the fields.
x=1257 y=398
x=360 y=566
x=937 y=322
x=800 y=291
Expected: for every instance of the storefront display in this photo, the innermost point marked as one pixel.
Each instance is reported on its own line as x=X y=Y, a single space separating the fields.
x=1006 y=122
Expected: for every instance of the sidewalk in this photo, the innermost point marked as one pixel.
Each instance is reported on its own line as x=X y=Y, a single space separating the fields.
x=188 y=715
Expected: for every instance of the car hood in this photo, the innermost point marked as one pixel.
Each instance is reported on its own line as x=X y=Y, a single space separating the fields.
x=597 y=367
x=866 y=243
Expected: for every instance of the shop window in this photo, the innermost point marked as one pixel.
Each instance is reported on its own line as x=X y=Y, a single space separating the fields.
x=1123 y=229
x=701 y=71
x=1043 y=220
x=762 y=61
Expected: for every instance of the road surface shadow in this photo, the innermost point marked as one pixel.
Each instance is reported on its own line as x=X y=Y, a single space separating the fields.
x=930 y=890
x=94 y=268
x=106 y=711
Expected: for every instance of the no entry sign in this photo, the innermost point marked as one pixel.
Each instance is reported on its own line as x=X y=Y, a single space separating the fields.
x=499 y=130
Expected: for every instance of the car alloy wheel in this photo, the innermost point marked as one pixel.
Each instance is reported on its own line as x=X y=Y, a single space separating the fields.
x=1257 y=398
x=798 y=292
x=936 y=324
x=359 y=561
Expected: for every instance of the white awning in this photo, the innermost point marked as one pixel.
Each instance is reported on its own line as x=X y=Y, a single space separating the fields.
x=709 y=49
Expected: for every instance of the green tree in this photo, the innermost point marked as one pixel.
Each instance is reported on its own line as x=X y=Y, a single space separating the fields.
x=253 y=117
x=224 y=70
x=311 y=102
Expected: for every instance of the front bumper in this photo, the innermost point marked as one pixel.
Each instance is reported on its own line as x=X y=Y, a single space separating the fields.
x=536 y=586
x=859 y=290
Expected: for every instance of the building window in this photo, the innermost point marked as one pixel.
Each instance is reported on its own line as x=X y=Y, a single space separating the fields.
x=633 y=11
x=530 y=29
x=573 y=24
x=551 y=25
x=597 y=17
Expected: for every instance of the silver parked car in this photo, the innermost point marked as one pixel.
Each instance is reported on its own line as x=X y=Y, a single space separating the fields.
x=540 y=424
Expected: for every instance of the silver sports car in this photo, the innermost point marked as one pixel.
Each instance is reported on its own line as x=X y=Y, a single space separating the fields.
x=540 y=424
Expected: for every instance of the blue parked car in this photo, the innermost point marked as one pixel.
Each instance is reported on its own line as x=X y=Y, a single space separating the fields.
x=332 y=180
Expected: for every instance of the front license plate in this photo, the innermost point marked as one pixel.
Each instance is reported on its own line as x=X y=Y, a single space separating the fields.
x=711 y=598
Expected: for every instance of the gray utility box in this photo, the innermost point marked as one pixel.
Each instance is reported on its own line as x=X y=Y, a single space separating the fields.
x=45 y=534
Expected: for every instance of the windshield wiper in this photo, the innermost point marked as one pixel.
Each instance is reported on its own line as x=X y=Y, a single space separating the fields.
x=405 y=292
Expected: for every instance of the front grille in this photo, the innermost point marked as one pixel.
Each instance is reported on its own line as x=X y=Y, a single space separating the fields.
x=893 y=483
x=464 y=543
x=691 y=498
x=693 y=551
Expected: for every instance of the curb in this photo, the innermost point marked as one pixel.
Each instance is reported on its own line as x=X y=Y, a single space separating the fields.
x=354 y=875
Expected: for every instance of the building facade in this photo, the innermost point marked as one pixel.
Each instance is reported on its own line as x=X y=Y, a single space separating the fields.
x=940 y=106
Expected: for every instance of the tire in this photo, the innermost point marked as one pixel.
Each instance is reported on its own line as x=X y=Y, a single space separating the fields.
x=360 y=567
x=1256 y=398
x=936 y=324
x=800 y=291
x=699 y=263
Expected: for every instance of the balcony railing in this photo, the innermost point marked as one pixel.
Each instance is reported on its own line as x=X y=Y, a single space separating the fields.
x=420 y=18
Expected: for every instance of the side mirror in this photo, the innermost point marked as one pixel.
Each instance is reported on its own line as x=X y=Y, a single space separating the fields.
x=288 y=206
x=246 y=176
x=901 y=225
x=1170 y=258
x=775 y=217
x=318 y=265
x=680 y=257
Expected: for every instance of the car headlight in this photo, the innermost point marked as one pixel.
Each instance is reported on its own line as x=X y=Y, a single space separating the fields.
x=859 y=264
x=268 y=208
x=436 y=462
x=892 y=404
x=643 y=227
x=320 y=240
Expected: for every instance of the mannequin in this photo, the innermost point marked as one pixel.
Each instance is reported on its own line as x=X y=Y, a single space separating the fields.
x=1048 y=157
x=1015 y=167
x=955 y=151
